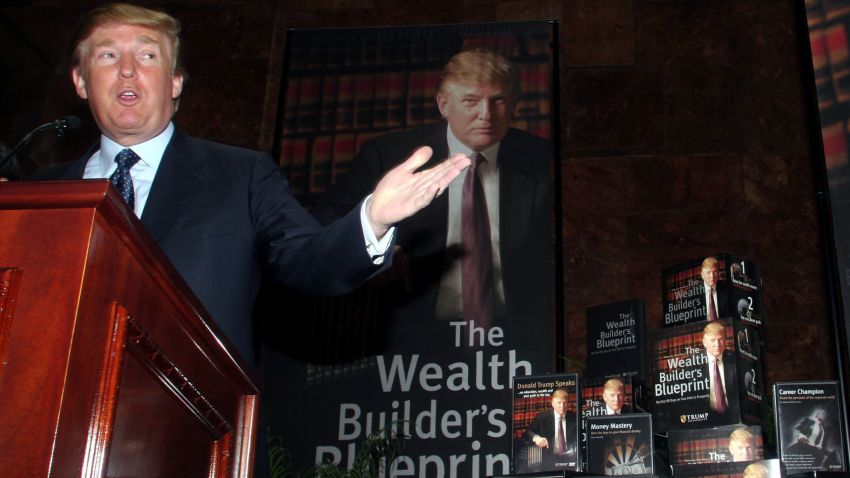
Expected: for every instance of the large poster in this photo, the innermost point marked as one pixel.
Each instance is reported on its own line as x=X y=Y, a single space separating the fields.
x=418 y=347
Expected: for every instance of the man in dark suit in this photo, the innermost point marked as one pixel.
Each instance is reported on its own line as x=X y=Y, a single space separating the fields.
x=721 y=373
x=221 y=214
x=477 y=96
x=715 y=304
x=554 y=433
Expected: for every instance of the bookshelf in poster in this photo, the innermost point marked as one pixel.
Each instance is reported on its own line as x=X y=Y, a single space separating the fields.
x=683 y=377
x=620 y=445
x=809 y=432
x=745 y=469
x=738 y=291
x=535 y=402
x=615 y=340
x=715 y=445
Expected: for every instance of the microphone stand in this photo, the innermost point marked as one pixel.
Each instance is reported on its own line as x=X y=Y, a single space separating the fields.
x=68 y=122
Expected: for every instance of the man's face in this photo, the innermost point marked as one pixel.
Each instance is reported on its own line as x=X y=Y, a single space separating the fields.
x=478 y=114
x=560 y=406
x=714 y=344
x=614 y=398
x=709 y=275
x=742 y=450
x=126 y=74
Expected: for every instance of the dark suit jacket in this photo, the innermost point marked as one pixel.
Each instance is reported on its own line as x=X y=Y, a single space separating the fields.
x=729 y=376
x=223 y=215
x=525 y=217
x=544 y=425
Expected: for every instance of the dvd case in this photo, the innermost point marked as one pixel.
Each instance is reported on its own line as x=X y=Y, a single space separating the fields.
x=615 y=340
x=809 y=433
x=705 y=289
x=715 y=445
x=744 y=469
x=620 y=445
x=700 y=378
x=546 y=423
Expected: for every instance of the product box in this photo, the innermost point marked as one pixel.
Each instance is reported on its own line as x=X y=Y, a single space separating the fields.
x=540 y=441
x=715 y=445
x=620 y=445
x=616 y=340
x=742 y=469
x=683 y=376
x=809 y=433
x=737 y=285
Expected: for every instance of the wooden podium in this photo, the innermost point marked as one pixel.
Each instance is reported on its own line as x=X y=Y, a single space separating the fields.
x=110 y=365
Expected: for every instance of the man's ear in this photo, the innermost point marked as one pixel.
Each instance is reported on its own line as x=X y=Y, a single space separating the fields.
x=79 y=83
x=442 y=104
x=176 y=85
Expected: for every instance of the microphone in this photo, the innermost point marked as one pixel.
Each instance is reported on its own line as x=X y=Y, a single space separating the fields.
x=60 y=125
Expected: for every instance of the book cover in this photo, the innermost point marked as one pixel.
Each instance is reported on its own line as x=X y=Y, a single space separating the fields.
x=542 y=442
x=698 y=379
x=754 y=469
x=615 y=340
x=809 y=432
x=717 y=286
x=620 y=445
x=715 y=445
x=606 y=396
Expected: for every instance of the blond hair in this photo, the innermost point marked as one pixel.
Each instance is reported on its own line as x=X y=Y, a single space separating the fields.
x=614 y=384
x=126 y=14
x=482 y=67
x=714 y=328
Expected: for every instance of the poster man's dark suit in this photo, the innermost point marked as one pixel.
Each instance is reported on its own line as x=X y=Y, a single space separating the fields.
x=525 y=215
x=729 y=377
x=720 y=303
x=544 y=426
x=223 y=215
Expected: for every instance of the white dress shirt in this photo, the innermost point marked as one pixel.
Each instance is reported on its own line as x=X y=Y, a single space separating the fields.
x=449 y=302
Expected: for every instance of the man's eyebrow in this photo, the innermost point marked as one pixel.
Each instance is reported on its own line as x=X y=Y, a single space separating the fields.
x=147 y=40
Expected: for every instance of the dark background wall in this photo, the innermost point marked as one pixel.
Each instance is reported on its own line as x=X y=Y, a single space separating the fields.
x=683 y=127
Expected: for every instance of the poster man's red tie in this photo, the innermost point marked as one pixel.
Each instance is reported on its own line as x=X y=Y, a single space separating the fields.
x=561 y=444
x=712 y=309
x=719 y=396
x=477 y=263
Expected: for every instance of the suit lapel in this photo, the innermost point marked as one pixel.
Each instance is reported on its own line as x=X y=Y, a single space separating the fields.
x=177 y=181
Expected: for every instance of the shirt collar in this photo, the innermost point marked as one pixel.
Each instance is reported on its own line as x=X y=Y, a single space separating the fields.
x=455 y=147
x=150 y=151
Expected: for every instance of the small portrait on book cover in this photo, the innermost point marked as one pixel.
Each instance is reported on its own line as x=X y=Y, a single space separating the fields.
x=551 y=438
x=742 y=445
x=614 y=396
x=715 y=303
x=816 y=441
x=720 y=366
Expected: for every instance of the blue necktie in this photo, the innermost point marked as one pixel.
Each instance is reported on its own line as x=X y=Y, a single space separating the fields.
x=126 y=158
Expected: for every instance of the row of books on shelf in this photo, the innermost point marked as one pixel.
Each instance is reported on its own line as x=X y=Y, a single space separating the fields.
x=808 y=434
x=389 y=99
x=320 y=51
x=313 y=162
